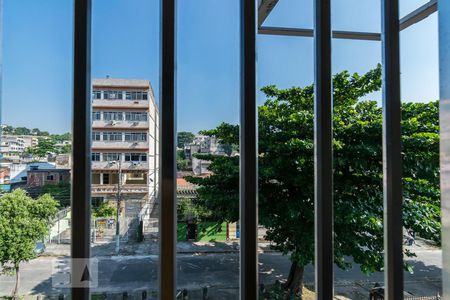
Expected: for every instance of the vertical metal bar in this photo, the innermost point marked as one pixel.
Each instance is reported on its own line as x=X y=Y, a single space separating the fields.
x=323 y=152
x=444 y=110
x=248 y=151
x=167 y=267
x=392 y=158
x=81 y=128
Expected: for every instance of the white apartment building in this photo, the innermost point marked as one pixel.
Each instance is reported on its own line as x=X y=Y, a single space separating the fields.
x=13 y=146
x=125 y=144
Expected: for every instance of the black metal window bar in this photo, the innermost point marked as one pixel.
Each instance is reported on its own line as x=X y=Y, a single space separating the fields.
x=252 y=17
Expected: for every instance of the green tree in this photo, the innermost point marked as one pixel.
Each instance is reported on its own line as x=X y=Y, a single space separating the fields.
x=184 y=137
x=65 y=149
x=22 y=131
x=8 y=129
x=286 y=170
x=62 y=137
x=104 y=210
x=182 y=162
x=43 y=148
x=23 y=222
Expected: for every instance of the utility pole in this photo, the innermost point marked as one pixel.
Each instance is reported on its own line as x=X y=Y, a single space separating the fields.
x=119 y=183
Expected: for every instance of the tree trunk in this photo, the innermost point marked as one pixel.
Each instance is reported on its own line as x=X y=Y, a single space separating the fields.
x=294 y=283
x=16 y=287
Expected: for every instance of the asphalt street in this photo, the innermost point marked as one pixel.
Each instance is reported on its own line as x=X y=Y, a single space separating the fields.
x=217 y=271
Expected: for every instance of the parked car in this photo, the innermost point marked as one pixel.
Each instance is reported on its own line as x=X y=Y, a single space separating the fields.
x=39 y=248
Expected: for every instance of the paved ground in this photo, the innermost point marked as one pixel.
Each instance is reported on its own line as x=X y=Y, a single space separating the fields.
x=212 y=265
x=219 y=271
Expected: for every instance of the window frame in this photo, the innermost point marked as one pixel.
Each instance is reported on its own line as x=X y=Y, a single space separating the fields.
x=248 y=139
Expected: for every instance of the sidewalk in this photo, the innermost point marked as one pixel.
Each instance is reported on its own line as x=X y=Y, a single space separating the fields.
x=152 y=247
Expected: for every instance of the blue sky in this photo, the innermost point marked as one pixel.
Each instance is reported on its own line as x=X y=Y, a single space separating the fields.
x=37 y=54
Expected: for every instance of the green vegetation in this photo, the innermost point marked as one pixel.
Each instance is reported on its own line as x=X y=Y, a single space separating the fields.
x=188 y=209
x=36 y=132
x=44 y=147
x=206 y=232
x=60 y=192
x=104 y=210
x=23 y=222
x=24 y=131
x=184 y=137
x=286 y=174
x=182 y=162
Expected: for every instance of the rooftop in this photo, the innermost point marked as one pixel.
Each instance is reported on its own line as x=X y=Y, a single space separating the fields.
x=116 y=82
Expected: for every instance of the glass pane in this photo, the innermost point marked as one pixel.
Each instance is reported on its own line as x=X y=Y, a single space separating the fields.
x=358 y=170
x=207 y=191
x=125 y=182
x=421 y=174
x=35 y=146
x=286 y=170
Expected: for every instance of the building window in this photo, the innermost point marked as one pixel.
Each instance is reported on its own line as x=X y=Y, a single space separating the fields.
x=112 y=95
x=96 y=136
x=95 y=156
x=50 y=177
x=135 y=156
x=135 y=176
x=97 y=95
x=96 y=116
x=105 y=178
x=136 y=116
x=112 y=136
x=111 y=156
x=136 y=95
x=135 y=136
x=112 y=116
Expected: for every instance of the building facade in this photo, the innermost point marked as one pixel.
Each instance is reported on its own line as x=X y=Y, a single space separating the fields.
x=125 y=145
x=12 y=147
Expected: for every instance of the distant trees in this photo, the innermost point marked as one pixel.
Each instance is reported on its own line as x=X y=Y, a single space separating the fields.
x=36 y=132
x=44 y=147
x=62 y=137
x=184 y=137
x=182 y=162
x=24 y=131
x=48 y=145
x=23 y=222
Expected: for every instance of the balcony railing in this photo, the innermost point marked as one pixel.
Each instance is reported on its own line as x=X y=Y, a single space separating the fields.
x=124 y=189
x=125 y=166
x=121 y=103
x=120 y=124
x=120 y=145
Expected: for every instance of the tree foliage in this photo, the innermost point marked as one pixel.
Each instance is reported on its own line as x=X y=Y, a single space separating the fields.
x=44 y=147
x=23 y=222
x=182 y=162
x=104 y=210
x=24 y=131
x=286 y=171
x=184 y=137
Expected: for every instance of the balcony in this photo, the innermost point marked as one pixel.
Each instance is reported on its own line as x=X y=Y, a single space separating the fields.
x=120 y=103
x=110 y=145
x=124 y=189
x=126 y=166
x=101 y=124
